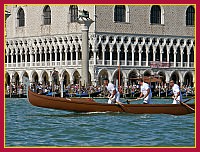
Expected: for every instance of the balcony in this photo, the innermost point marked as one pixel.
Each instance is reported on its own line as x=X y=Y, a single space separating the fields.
x=98 y=62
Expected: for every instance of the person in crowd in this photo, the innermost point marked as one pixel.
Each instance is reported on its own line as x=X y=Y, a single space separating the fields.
x=114 y=93
x=145 y=92
x=177 y=96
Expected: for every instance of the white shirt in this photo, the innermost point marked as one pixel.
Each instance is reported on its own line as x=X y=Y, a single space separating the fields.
x=111 y=87
x=144 y=88
x=176 y=89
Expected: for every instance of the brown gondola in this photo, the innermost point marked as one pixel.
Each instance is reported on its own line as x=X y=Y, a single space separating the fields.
x=89 y=105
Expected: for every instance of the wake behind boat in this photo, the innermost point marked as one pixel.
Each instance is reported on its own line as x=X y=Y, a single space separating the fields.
x=89 y=105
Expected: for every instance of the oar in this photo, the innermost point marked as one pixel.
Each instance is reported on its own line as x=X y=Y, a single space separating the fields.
x=128 y=101
x=188 y=99
x=182 y=103
x=121 y=106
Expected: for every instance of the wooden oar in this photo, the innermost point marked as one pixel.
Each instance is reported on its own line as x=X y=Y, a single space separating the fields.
x=188 y=99
x=182 y=103
x=128 y=101
x=121 y=106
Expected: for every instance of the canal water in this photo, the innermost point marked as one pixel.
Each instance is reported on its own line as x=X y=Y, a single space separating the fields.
x=26 y=126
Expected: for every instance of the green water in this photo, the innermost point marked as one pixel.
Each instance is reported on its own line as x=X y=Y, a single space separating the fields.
x=27 y=125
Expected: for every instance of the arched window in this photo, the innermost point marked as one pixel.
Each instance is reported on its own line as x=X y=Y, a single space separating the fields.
x=74 y=13
x=190 y=15
x=155 y=14
x=47 y=15
x=120 y=13
x=20 y=17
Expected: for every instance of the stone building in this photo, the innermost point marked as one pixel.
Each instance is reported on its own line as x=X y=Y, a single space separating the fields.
x=143 y=40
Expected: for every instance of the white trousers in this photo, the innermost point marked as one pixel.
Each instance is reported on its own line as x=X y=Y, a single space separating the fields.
x=179 y=98
x=147 y=100
x=114 y=99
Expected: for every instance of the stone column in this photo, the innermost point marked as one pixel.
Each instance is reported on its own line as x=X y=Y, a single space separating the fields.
x=182 y=52
x=16 y=54
x=125 y=51
x=154 y=53
x=12 y=54
x=110 y=56
x=133 y=60
x=56 y=55
x=40 y=58
x=140 y=54
x=25 y=59
x=188 y=59
x=103 y=54
x=50 y=57
x=95 y=56
x=118 y=57
x=175 y=49
x=76 y=57
x=175 y=59
x=85 y=24
x=71 y=56
x=45 y=57
x=161 y=53
x=147 y=56
x=61 y=57
x=36 y=58
x=133 y=51
x=168 y=52
x=31 y=58
x=66 y=57
x=21 y=61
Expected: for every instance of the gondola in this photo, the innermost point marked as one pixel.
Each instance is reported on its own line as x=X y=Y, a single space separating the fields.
x=90 y=105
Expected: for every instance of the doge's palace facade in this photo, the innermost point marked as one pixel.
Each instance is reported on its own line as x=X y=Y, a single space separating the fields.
x=142 y=40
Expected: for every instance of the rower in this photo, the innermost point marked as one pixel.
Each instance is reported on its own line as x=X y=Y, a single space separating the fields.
x=145 y=92
x=176 y=91
x=114 y=94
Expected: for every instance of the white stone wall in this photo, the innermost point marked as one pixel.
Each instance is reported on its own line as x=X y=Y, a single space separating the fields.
x=60 y=21
x=138 y=26
x=139 y=22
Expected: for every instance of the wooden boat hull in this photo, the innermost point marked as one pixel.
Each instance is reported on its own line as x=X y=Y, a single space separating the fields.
x=89 y=105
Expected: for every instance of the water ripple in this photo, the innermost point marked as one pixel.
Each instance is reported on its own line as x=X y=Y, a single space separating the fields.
x=31 y=126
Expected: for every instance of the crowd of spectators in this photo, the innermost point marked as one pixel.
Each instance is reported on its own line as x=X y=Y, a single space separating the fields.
x=128 y=91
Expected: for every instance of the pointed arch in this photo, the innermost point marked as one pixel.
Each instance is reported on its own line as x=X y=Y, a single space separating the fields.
x=188 y=79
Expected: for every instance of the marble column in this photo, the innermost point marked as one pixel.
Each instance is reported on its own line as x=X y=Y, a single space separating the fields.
x=76 y=57
x=133 y=60
x=110 y=57
x=125 y=51
x=61 y=56
x=16 y=54
x=71 y=57
x=118 y=57
x=147 y=56
x=25 y=59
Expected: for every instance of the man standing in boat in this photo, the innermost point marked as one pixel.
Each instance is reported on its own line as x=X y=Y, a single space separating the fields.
x=114 y=94
x=145 y=92
x=176 y=91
